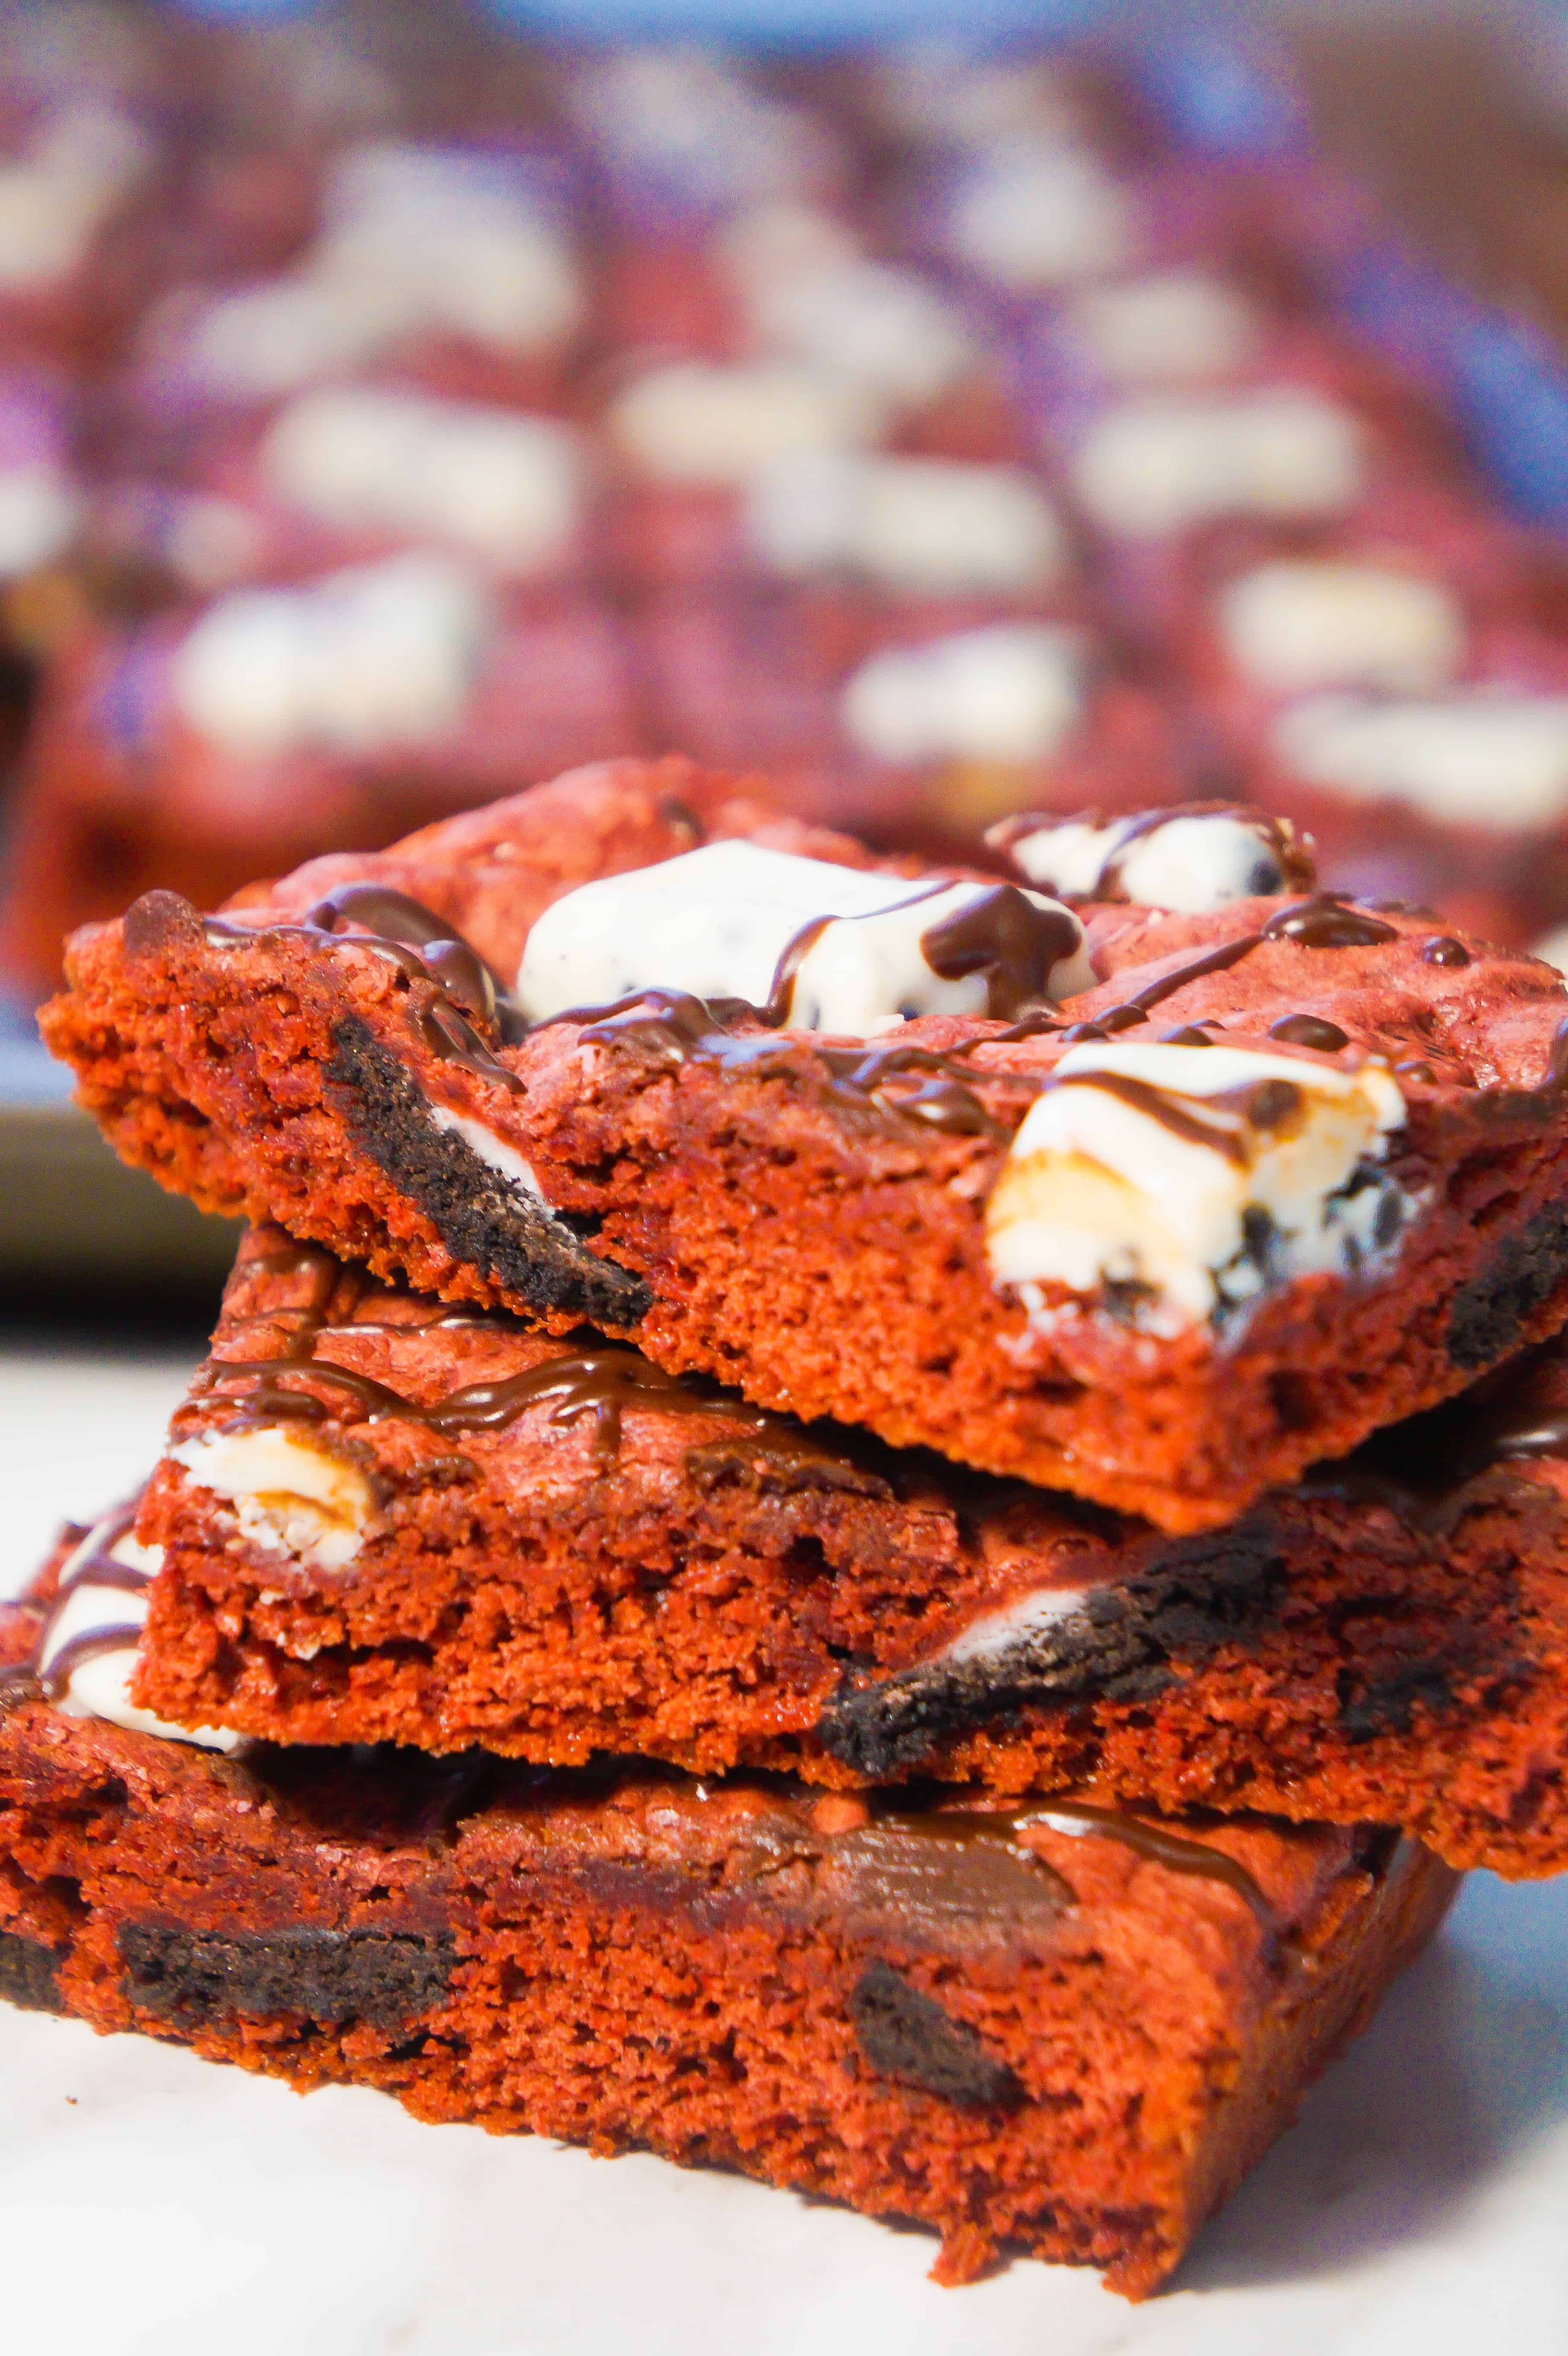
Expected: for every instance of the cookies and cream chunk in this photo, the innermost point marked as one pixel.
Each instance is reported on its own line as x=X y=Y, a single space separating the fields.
x=378 y=655
x=717 y=923
x=1162 y=464
x=878 y=327
x=288 y=1497
x=1175 y=327
x=1189 y=862
x=1029 y=215
x=85 y=160
x=1295 y=626
x=1006 y=692
x=1491 y=756
x=918 y=527
x=506 y=488
x=1175 y=1183
x=96 y=1682
x=697 y=422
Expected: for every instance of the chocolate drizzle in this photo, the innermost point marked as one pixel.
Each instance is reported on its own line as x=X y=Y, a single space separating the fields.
x=1285 y=863
x=1309 y=1031
x=998 y=1829
x=95 y=1566
x=597 y=1382
x=1004 y=935
x=466 y=999
x=1156 y=1845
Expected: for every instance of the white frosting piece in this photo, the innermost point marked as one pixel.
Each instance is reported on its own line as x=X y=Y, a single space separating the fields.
x=1098 y=1191
x=452 y=239
x=684 y=120
x=715 y=921
x=85 y=161
x=1488 y=755
x=1176 y=326
x=1008 y=693
x=379 y=655
x=1295 y=626
x=1553 y=947
x=1012 y=1629
x=39 y=512
x=503 y=1159
x=919 y=527
x=258 y=342
x=503 y=487
x=936 y=93
x=1189 y=863
x=696 y=422
x=881 y=328
x=289 y=1498
x=418 y=240
x=99 y=1686
x=1030 y=216
x=1162 y=464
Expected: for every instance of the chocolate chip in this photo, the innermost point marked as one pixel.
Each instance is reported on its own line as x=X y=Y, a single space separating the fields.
x=905 y=2035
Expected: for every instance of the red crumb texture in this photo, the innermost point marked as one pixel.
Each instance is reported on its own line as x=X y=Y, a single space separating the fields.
x=826 y=1255
x=660 y=1572
x=1033 y=2042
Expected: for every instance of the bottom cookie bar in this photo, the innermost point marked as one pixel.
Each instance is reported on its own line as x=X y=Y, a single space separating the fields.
x=1055 y=2030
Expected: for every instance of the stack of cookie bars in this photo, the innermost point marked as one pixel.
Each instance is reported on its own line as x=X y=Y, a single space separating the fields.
x=897 y=1527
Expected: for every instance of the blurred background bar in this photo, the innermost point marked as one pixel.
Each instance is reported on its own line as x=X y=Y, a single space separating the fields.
x=955 y=410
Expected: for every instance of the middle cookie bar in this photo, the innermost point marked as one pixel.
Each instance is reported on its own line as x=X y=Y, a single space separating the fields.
x=384 y=1519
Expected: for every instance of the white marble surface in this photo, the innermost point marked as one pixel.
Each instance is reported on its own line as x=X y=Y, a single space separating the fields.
x=150 y=2202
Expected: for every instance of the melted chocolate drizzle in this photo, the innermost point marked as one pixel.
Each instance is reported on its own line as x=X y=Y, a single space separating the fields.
x=597 y=1382
x=1000 y=1829
x=97 y=1567
x=1006 y=937
x=1292 y=858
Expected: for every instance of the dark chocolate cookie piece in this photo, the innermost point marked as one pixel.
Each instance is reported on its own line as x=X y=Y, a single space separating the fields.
x=905 y=2034
x=29 y=1973
x=512 y=1238
x=192 y=1977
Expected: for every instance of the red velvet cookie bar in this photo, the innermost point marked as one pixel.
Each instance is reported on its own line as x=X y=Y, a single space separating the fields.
x=1167 y=1276
x=393 y=694
x=1060 y=2030
x=383 y=1521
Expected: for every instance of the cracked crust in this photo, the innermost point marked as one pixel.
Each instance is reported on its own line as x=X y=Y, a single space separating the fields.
x=720 y=1589
x=1051 y=2044
x=704 y=1188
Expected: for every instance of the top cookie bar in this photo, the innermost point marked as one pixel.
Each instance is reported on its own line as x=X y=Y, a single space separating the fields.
x=1158 y=1205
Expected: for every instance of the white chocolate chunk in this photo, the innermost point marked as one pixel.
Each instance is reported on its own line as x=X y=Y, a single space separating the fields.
x=1189 y=863
x=1009 y=692
x=694 y=422
x=1012 y=1629
x=503 y=1159
x=716 y=922
x=289 y=1498
x=1030 y=216
x=85 y=162
x=503 y=487
x=1294 y=626
x=379 y=655
x=418 y=240
x=1161 y=465
x=1177 y=327
x=99 y=1686
x=1100 y=1190
x=1487 y=755
x=869 y=325
x=919 y=527
x=39 y=512
x=693 y=127
x=1553 y=947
